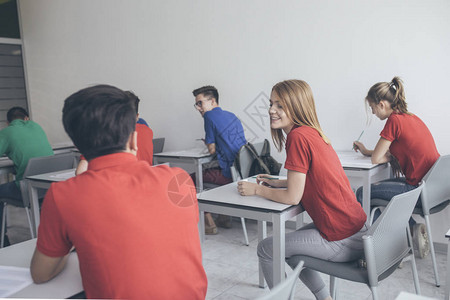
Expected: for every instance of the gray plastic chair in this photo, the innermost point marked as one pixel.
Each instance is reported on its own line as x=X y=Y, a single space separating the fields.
x=434 y=198
x=286 y=289
x=158 y=145
x=246 y=160
x=385 y=245
x=35 y=166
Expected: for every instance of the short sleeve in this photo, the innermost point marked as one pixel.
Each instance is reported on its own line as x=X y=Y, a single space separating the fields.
x=209 y=130
x=52 y=238
x=298 y=154
x=4 y=144
x=391 y=130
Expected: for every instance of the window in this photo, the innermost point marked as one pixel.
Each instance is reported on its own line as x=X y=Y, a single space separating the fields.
x=12 y=75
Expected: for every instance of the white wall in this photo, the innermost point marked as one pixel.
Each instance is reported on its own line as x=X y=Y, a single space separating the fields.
x=162 y=50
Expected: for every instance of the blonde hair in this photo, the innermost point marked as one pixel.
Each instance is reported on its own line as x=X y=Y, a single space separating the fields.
x=297 y=100
x=393 y=92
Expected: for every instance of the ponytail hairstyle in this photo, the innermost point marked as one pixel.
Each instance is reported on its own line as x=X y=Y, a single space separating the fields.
x=392 y=92
x=297 y=100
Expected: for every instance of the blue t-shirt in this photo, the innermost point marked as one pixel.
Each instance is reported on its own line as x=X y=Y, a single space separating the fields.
x=225 y=130
x=142 y=121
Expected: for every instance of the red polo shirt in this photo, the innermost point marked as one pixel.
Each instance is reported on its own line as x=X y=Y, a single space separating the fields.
x=412 y=145
x=144 y=143
x=134 y=228
x=328 y=197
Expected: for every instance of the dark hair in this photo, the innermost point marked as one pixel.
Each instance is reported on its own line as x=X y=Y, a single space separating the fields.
x=207 y=91
x=16 y=112
x=393 y=92
x=99 y=120
x=134 y=99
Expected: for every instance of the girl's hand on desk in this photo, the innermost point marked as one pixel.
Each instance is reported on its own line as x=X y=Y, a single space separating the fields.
x=358 y=146
x=246 y=188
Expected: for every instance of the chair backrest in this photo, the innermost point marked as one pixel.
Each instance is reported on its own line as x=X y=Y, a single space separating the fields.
x=386 y=241
x=158 y=145
x=286 y=289
x=46 y=164
x=437 y=188
x=245 y=161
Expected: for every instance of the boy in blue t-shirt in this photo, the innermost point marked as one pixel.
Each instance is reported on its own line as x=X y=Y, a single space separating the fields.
x=224 y=136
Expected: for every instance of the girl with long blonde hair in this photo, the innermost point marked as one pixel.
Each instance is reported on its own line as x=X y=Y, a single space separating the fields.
x=315 y=178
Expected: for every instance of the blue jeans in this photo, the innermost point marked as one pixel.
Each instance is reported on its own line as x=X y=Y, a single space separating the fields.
x=308 y=241
x=8 y=190
x=386 y=189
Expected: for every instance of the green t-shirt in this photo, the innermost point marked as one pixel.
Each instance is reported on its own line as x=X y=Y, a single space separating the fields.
x=22 y=140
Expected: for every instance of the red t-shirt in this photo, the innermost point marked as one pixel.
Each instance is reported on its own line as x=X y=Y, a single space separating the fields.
x=134 y=228
x=328 y=197
x=144 y=143
x=412 y=144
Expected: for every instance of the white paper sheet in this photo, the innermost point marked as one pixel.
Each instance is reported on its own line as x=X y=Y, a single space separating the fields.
x=64 y=176
x=13 y=279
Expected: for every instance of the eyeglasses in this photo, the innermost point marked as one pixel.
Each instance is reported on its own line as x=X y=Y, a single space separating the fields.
x=200 y=103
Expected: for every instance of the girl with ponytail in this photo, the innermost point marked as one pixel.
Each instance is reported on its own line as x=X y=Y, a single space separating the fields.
x=405 y=142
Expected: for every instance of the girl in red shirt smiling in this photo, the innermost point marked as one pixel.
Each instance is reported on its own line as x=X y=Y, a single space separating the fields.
x=316 y=178
x=406 y=142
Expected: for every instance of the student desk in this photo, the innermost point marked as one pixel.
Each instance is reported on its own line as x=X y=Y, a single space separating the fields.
x=226 y=200
x=43 y=181
x=64 y=285
x=196 y=157
x=361 y=172
x=6 y=165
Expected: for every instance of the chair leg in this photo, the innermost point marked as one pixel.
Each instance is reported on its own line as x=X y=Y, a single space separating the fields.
x=433 y=255
x=413 y=263
x=2 y=243
x=374 y=292
x=29 y=222
x=244 y=228
x=333 y=287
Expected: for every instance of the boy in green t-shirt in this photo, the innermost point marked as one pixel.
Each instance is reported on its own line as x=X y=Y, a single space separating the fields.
x=20 y=141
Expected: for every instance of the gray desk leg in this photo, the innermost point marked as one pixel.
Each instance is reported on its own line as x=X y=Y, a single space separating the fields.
x=447 y=283
x=201 y=226
x=199 y=176
x=299 y=221
x=34 y=205
x=262 y=234
x=366 y=196
x=278 y=249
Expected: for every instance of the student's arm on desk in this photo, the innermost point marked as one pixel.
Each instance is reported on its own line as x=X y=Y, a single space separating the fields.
x=43 y=267
x=381 y=152
x=379 y=155
x=291 y=196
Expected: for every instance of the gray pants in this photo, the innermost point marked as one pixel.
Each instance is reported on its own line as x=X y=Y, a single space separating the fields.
x=308 y=241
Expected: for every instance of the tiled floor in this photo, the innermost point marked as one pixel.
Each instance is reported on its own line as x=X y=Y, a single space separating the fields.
x=232 y=267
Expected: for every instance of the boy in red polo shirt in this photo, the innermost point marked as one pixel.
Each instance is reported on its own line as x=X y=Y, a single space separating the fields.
x=122 y=216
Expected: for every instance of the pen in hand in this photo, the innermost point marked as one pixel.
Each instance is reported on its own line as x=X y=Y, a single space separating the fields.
x=273 y=178
x=357 y=140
